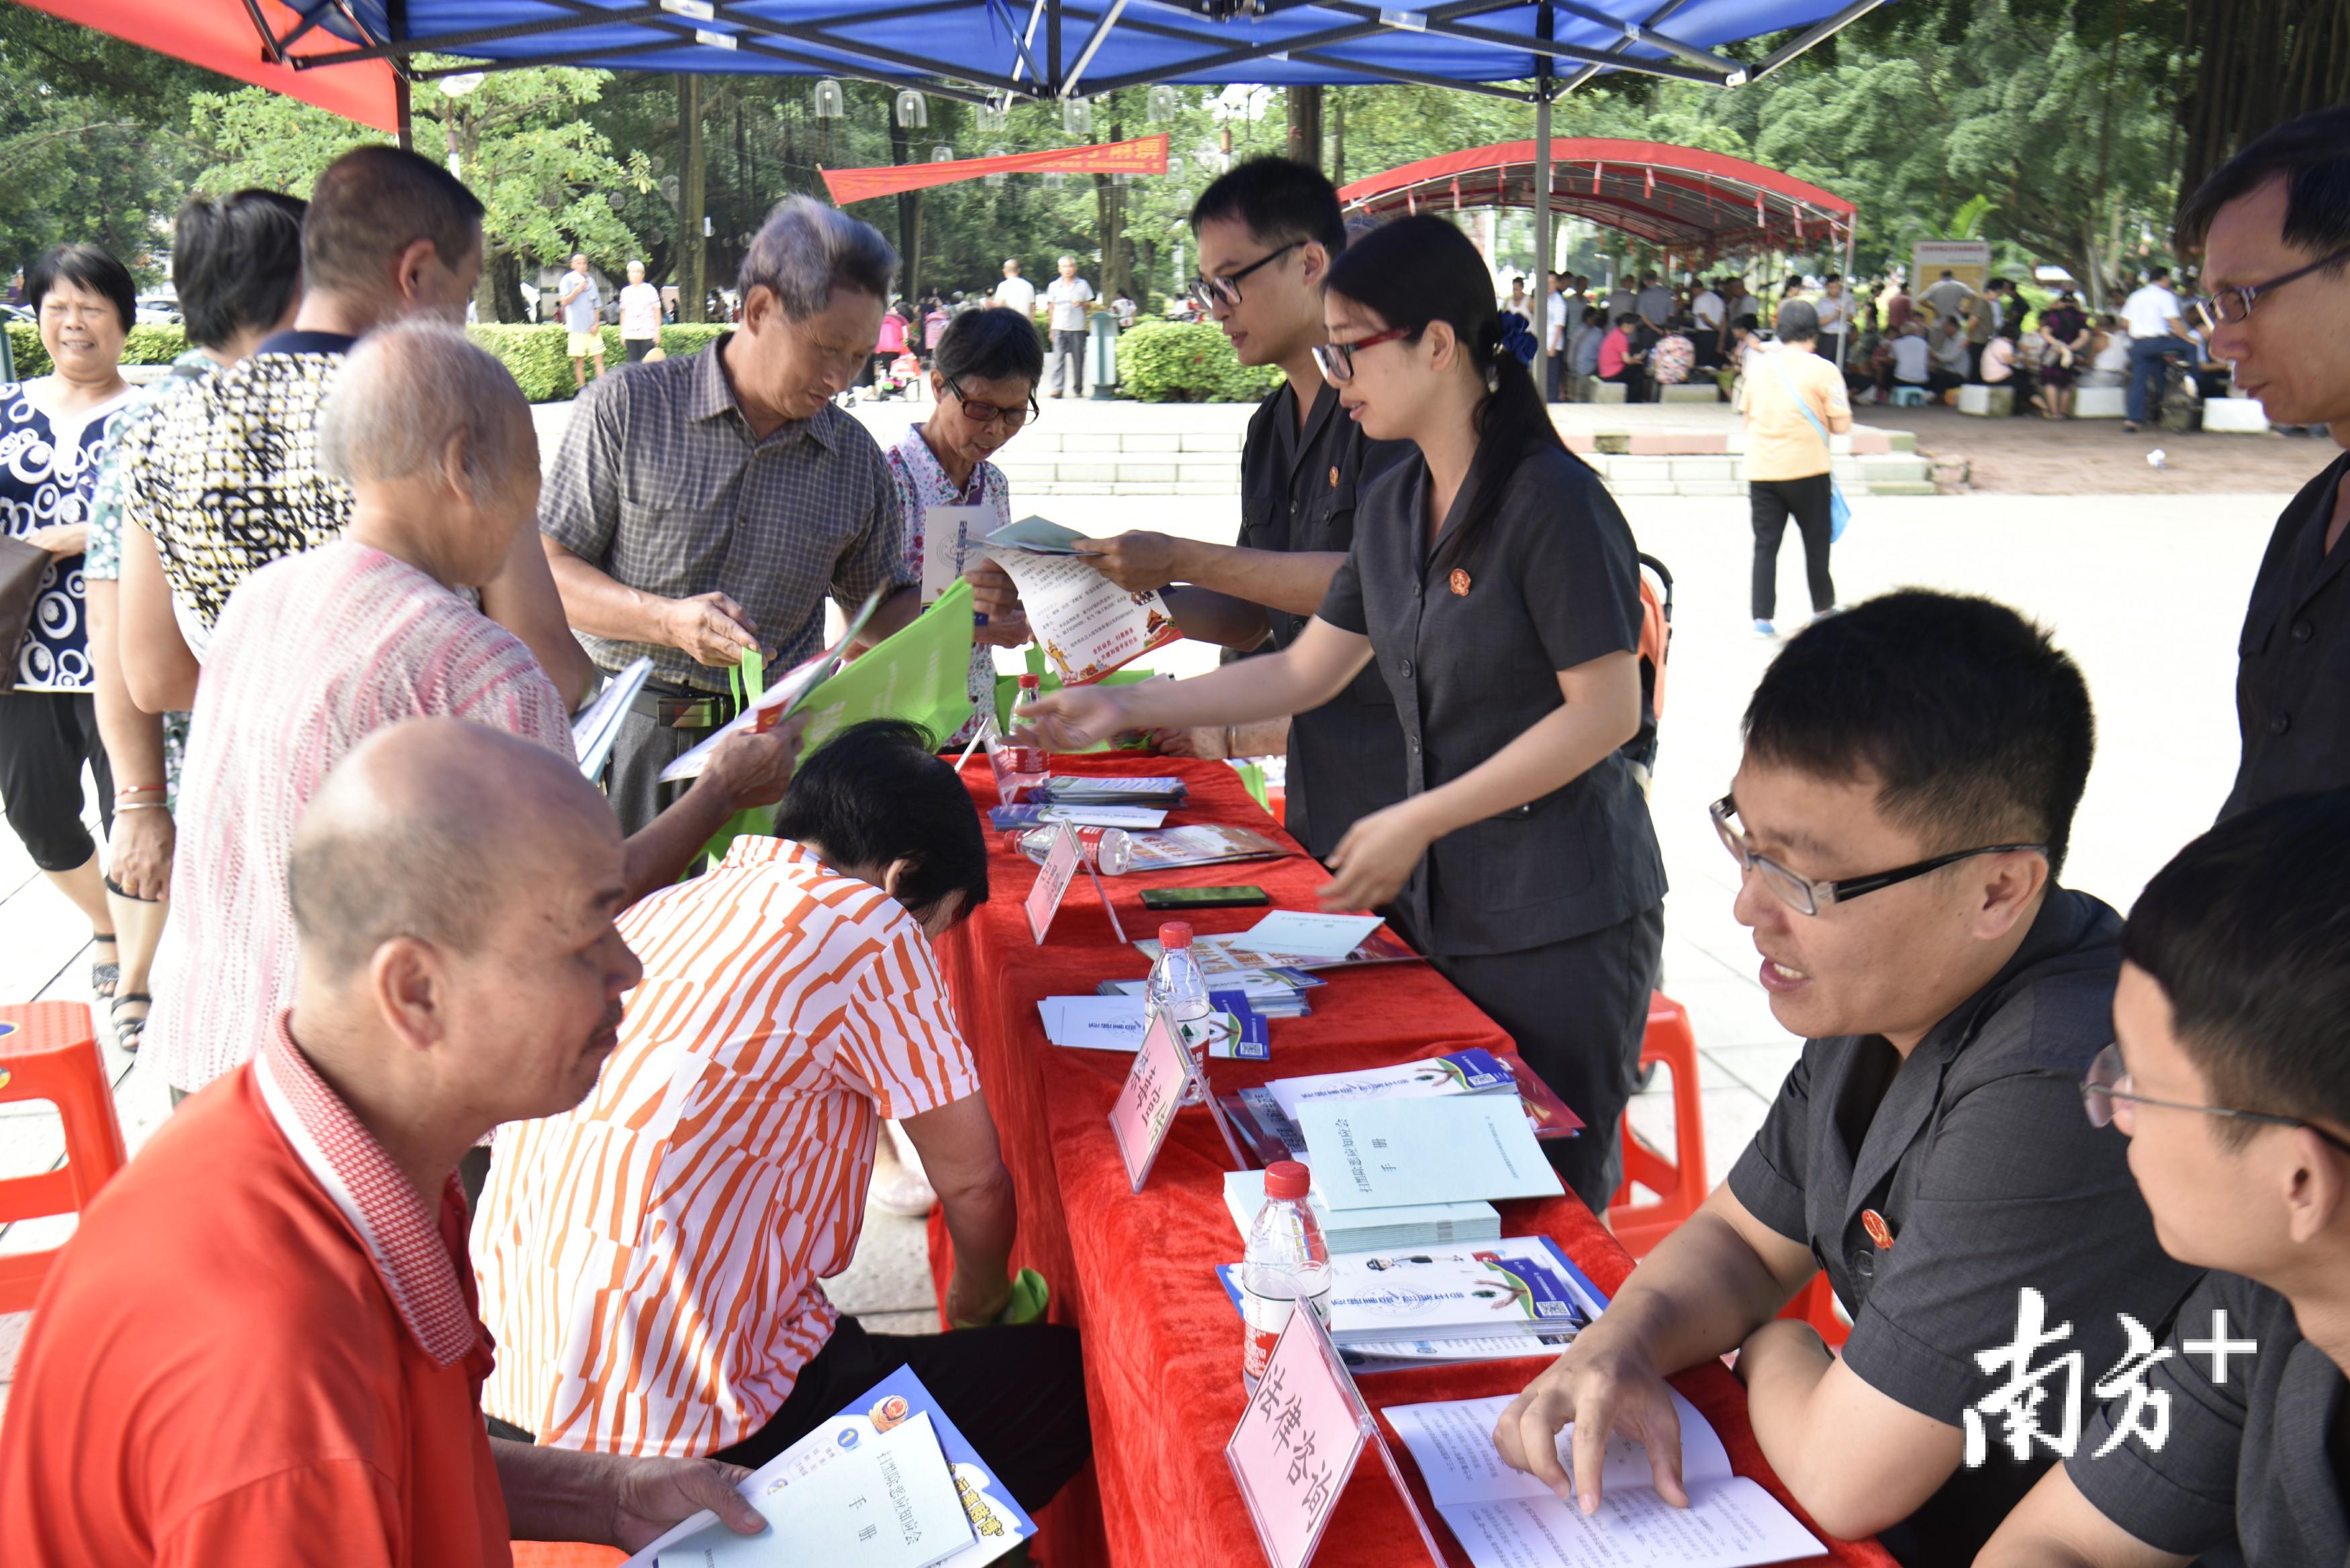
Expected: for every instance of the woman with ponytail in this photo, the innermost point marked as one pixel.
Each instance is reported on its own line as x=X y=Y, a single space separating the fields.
x=1497 y=585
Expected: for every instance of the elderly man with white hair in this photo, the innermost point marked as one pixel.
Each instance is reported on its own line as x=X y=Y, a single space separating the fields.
x=704 y=505
x=1068 y=296
x=316 y=651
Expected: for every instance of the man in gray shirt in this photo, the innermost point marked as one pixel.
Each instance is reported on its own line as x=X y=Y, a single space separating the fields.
x=1910 y=772
x=2229 y=1074
x=706 y=504
x=1655 y=304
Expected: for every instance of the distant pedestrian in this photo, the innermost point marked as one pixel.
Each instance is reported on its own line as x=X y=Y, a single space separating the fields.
x=1794 y=400
x=1124 y=308
x=1016 y=293
x=582 y=304
x=640 y=315
x=1834 y=307
x=2156 y=337
x=1068 y=296
x=1947 y=297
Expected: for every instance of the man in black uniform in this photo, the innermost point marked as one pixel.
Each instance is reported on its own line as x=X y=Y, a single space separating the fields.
x=2231 y=1075
x=2274 y=223
x=1267 y=232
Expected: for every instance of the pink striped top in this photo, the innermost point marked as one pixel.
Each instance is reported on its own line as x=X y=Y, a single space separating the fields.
x=313 y=654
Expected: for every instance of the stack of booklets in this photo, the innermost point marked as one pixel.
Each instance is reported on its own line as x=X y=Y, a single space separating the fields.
x=1006 y=819
x=1267 y=1117
x=1491 y=1301
x=1111 y=789
x=887 y=1484
x=1371 y=1229
x=1506 y=1518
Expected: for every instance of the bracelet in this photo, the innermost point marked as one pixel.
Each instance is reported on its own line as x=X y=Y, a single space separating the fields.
x=123 y=806
x=1232 y=743
x=128 y=791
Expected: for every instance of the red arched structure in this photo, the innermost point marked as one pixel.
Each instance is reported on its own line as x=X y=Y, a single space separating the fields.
x=1684 y=199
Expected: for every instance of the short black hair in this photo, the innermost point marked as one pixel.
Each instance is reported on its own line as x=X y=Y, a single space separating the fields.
x=372 y=204
x=236 y=263
x=1279 y=199
x=993 y=345
x=84 y=265
x=1977 y=728
x=2247 y=930
x=2157 y=273
x=2312 y=155
x=876 y=794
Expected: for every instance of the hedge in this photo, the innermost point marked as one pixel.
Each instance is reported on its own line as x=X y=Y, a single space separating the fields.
x=538 y=357
x=1187 y=362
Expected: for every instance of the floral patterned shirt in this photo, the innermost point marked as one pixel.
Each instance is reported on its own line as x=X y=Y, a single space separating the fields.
x=922 y=484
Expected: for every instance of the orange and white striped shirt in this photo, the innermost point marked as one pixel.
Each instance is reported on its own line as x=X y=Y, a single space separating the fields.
x=649 y=1262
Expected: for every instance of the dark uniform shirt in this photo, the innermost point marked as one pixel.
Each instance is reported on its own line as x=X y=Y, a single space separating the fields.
x=2256 y=1458
x=1973 y=1157
x=1472 y=640
x=2293 y=668
x=1298 y=493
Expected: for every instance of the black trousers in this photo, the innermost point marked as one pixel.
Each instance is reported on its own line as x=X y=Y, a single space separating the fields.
x=1018 y=1393
x=1772 y=501
x=635 y=348
x=1635 y=379
x=640 y=752
x=1576 y=1010
x=46 y=738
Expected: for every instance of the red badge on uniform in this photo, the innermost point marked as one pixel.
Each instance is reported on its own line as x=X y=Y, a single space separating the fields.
x=1460 y=582
x=1878 y=1231
x=1334 y=476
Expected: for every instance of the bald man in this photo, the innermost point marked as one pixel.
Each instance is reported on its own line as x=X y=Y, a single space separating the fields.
x=319 y=650
x=312 y=1393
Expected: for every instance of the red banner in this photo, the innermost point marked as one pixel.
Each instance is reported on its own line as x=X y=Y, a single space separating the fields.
x=1146 y=155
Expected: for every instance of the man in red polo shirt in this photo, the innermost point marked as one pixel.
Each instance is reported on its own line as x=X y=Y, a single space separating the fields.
x=262 y=1344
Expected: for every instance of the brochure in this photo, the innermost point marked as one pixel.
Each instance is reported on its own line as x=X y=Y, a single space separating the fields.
x=1521 y=1285
x=1207 y=845
x=1086 y=625
x=950 y=537
x=1116 y=789
x=1370 y=1231
x=1506 y=1518
x=993 y=1522
x=1006 y=818
x=1036 y=536
x=783 y=697
x=1376 y=1154
x=1301 y=933
x=1405 y=1355
x=1471 y=1072
x=598 y=725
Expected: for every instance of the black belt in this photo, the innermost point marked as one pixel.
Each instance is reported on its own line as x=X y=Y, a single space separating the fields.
x=682 y=707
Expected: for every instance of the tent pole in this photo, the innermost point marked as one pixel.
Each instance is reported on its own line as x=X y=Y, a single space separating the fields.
x=1851 y=295
x=1544 y=258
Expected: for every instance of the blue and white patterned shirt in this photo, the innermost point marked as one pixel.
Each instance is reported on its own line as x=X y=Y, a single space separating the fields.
x=47 y=482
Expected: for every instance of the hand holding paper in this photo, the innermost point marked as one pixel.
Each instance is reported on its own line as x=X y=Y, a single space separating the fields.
x=1075 y=717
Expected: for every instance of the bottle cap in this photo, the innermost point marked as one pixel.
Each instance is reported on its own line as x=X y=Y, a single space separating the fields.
x=1029 y=683
x=1175 y=934
x=1286 y=1178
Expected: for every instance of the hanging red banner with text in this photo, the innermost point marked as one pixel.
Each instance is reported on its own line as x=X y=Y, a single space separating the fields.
x=1145 y=155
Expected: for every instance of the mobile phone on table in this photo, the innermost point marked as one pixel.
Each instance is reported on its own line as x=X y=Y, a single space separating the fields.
x=1205 y=897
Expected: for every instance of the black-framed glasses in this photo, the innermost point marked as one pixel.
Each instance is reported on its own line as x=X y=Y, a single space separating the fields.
x=1206 y=291
x=2230 y=305
x=981 y=413
x=1337 y=359
x=2107 y=1084
x=1808 y=896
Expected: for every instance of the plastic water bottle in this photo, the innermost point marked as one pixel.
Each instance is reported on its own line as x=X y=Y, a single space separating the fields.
x=1022 y=769
x=1177 y=990
x=1287 y=1262
x=1107 y=850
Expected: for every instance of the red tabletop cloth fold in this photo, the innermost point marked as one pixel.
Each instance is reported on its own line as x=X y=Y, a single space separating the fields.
x=1135 y=1273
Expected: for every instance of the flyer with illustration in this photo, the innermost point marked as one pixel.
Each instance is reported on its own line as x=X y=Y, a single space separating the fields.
x=1086 y=625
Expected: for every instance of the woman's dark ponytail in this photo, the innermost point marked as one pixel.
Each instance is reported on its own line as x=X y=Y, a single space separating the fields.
x=1419 y=270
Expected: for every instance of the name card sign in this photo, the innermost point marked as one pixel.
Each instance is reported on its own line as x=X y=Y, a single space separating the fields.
x=1298 y=1442
x=1052 y=879
x=1154 y=1091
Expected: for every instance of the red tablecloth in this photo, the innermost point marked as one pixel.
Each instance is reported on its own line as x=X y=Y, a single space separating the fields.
x=1135 y=1273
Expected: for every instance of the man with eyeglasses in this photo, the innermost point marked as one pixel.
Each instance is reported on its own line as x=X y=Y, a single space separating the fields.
x=1910 y=772
x=2230 y=1076
x=2274 y=225
x=1268 y=231
x=705 y=505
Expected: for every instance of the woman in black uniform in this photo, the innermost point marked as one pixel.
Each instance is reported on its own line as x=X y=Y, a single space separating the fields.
x=1497 y=585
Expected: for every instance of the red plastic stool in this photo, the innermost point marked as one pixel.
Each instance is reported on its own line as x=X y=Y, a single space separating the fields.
x=565 y=1554
x=1815 y=1305
x=49 y=1052
x=1680 y=1180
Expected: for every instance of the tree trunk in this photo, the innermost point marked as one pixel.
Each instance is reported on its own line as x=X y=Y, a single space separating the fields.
x=910 y=211
x=1305 y=125
x=692 y=254
x=2259 y=63
x=498 y=296
x=1338 y=139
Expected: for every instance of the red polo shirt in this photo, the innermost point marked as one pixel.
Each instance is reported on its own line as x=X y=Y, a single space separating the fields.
x=259 y=1347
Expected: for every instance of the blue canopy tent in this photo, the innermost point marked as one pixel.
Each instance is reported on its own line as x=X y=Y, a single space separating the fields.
x=989 y=51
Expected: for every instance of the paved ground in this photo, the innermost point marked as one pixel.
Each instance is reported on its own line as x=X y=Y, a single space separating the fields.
x=2147 y=595
x=2032 y=456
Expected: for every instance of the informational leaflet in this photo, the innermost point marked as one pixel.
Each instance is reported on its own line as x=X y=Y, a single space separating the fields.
x=1305 y=934
x=1402 y=1355
x=1204 y=845
x=783 y=697
x=1471 y=1072
x=1506 y=1518
x=1519 y=1284
x=993 y=1522
x=950 y=537
x=598 y=725
x=1376 y=1154
x=1086 y=625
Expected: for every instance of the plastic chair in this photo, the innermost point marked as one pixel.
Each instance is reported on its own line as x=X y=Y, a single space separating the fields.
x=1909 y=396
x=1815 y=1305
x=1680 y=1181
x=49 y=1052
x=565 y=1554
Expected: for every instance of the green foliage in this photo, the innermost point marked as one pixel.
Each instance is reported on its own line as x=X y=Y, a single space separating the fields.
x=539 y=358
x=1180 y=362
x=261 y=139
x=1967 y=223
x=145 y=344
